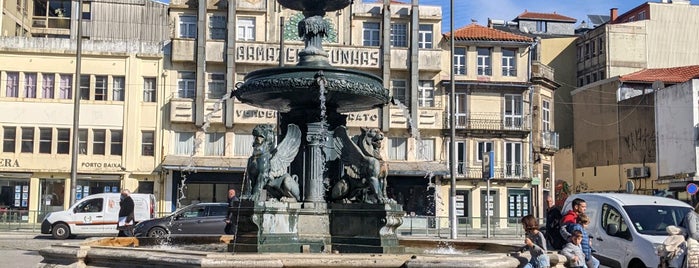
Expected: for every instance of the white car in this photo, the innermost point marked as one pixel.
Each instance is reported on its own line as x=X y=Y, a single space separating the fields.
x=95 y=214
x=625 y=229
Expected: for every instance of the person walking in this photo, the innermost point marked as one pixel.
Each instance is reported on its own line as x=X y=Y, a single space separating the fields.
x=233 y=201
x=126 y=214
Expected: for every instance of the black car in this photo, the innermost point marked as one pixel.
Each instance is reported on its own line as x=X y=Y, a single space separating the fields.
x=201 y=218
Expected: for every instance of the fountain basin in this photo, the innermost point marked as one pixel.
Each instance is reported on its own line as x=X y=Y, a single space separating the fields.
x=134 y=252
x=283 y=89
x=323 y=5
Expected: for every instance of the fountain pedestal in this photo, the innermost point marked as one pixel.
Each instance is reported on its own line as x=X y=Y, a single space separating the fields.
x=366 y=228
x=266 y=227
x=314 y=226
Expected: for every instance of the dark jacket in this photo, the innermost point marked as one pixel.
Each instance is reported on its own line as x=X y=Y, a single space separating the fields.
x=126 y=208
x=231 y=224
x=553 y=226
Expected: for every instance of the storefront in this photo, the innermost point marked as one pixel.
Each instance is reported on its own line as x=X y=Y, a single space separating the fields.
x=412 y=185
x=14 y=196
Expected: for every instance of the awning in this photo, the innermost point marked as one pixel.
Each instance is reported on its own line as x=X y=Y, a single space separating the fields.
x=420 y=169
x=198 y=163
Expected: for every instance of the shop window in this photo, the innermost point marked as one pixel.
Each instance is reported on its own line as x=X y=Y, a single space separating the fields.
x=88 y=187
x=14 y=195
x=115 y=145
x=27 y=140
x=518 y=202
x=489 y=206
x=52 y=196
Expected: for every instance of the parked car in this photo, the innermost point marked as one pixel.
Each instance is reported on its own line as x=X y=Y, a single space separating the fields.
x=201 y=218
x=626 y=229
x=96 y=214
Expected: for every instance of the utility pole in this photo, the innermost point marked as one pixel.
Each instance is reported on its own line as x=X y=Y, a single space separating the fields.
x=452 y=126
x=76 y=106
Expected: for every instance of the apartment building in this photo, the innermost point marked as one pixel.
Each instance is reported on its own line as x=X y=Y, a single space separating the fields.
x=120 y=86
x=493 y=113
x=651 y=35
x=15 y=19
x=207 y=135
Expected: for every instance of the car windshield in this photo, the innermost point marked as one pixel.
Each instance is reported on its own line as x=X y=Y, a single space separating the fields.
x=652 y=220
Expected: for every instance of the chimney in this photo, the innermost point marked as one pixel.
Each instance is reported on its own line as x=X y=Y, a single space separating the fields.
x=613 y=14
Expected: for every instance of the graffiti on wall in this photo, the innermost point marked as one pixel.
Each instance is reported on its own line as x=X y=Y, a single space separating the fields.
x=562 y=192
x=640 y=142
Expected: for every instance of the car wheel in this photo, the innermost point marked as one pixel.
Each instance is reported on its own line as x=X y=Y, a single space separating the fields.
x=60 y=231
x=157 y=232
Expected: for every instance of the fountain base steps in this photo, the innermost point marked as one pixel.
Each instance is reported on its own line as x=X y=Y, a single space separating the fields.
x=365 y=228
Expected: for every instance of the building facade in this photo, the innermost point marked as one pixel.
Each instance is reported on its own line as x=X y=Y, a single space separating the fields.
x=119 y=95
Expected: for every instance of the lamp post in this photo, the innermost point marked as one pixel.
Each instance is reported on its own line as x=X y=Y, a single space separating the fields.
x=76 y=106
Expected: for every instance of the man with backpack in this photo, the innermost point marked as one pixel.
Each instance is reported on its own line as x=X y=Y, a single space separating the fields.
x=553 y=225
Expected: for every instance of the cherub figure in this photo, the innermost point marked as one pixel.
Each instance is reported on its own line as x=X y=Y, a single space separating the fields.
x=267 y=167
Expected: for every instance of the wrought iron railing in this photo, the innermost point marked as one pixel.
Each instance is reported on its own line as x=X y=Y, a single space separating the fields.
x=549 y=140
x=490 y=121
x=503 y=170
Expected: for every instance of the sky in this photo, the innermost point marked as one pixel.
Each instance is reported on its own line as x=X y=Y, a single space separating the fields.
x=480 y=10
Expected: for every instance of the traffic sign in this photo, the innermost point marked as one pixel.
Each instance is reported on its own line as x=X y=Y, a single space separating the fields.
x=692 y=188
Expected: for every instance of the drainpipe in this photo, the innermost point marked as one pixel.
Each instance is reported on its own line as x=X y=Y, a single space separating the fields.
x=531 y=125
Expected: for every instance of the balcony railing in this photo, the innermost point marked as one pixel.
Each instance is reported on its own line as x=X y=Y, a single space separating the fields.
x=503 y=170
x=485 y=71
x=51 y=22
x=509 y=71
x=549 y=140
x=490 y=121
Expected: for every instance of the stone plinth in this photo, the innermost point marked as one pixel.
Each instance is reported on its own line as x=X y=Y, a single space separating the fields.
x=266 y=227
x=365 y=228
x=314 y=227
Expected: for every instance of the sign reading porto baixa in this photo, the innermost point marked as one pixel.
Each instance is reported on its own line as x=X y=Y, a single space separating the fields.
x=338 y=56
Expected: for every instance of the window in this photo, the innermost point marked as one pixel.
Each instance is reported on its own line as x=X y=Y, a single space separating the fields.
x=63 y=141
x=82 y=141
x=188 y=27
x=30 y=85
x=460 y=157
x=8 y=139
x=215 y=143
x=513 y=111
x=541 y=26
x=425 y=149
x=149 y=89
x=217 y=27
x=594 y=77
x=610 y=215
x=100 y=87
x=84 y=87
x=371 y=34
x=399 y=35
x=399 y=88
x=217 y=86
x=513 y=159
x=47 y=85
x=459 y=60
x=587 y=50
x=243 y=144
x=86 y=11
x=66 y=88
x=484 y=61
x=593 y=48
x=186 y=83
x=147 y=143
x=27 y=144
x=509 y=62
x=115 y=146
x=98 y=141
x=426 y=93
x=118 y=84
x=600 y=43
x=545 y=116
x=601 y=75
x=425 y=36
x=90 y=206
x=461 y=112
x=246 y=29
x=184 y=143
x=642 y=15
x=483 y=146
x=45 y=138
x=397 y=148
x=12 y=89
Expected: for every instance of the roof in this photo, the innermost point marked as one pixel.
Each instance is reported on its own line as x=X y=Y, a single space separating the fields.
x=631 y=199
x=598 y=19
x=666 y=75
x=544 y=16
x=475 y=32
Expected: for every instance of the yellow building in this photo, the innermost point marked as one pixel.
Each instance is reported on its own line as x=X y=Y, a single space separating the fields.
x=217 y=43
x=120 y=85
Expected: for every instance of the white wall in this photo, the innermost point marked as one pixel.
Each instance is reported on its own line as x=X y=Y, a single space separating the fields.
x=676 y=116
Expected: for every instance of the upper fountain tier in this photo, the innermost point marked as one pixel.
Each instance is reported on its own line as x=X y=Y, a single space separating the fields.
x=315 y=5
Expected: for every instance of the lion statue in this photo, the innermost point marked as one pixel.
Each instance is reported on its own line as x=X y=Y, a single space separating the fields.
x=267 y=167
x=364 y=178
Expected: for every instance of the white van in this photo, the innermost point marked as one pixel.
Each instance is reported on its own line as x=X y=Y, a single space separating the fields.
x=95 y=214
x=625 y=229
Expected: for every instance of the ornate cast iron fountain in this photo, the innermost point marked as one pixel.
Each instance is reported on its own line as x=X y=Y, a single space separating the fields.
x=332 y=193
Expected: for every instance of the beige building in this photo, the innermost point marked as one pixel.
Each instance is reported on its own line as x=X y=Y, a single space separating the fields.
x=217 y=43
x=120 y=86
x=15 y=19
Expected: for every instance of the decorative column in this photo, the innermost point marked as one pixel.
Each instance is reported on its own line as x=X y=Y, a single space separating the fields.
x=314 y=186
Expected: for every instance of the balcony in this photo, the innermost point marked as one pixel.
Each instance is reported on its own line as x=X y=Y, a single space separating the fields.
x=549 y=141
x=541 y=70
x=503 y=170
x=183 y=50
x=491 y=121
x=182 y=110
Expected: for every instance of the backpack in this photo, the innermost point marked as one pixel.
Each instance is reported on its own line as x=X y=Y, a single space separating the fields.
x=553 y=227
